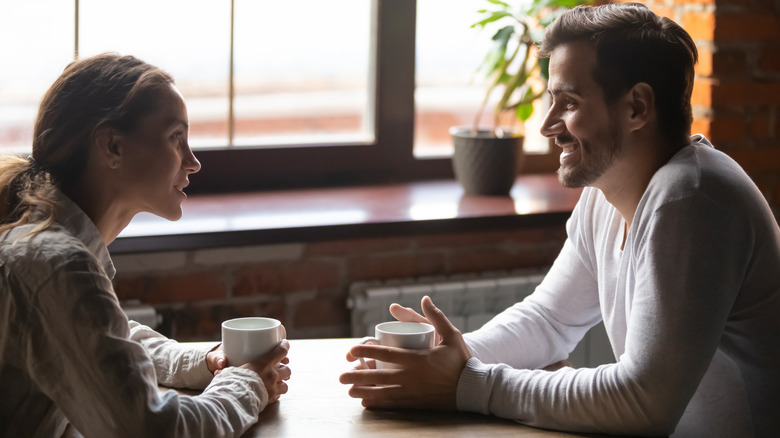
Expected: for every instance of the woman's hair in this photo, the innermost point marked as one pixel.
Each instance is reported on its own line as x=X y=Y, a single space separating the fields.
x=635 y=45
x=106 y=90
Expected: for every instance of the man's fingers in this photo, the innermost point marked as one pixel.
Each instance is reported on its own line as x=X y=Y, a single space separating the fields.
x=383 y=353
x=444 y=327
x=370 y=377
x=406 y=314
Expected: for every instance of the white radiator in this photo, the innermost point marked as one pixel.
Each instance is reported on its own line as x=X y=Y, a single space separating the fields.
x=469 y=301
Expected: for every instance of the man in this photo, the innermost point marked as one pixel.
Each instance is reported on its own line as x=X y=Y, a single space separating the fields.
x=671 y=245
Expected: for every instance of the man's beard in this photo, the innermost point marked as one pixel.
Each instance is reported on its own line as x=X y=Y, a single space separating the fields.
x=601 y=154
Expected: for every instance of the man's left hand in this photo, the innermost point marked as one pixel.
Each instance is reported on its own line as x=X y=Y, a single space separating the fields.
x=425 y=379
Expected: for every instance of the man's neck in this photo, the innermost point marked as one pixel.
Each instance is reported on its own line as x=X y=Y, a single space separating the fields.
x=625 y=182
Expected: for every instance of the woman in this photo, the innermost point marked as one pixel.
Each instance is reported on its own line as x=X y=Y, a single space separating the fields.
x=110 y=141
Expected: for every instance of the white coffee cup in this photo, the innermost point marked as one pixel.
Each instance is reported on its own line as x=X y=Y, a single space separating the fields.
x=245 y=339
x=410 y=335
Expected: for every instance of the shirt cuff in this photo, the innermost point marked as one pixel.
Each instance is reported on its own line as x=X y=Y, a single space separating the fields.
x=201 y=376
x=473 y=394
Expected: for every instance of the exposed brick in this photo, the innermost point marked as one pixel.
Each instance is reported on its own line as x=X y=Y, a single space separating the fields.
x=761 y=126
x=664 y=11
x=495 y=259
x=172 y=288
x=356 y=246
x=701 y=125
x=379 y=267
x=744 y=93
x=734 y=3
x=247 y=254
x=281 y=277
x=727 y=128
x=704 y=66
x=527 y=236
x=196 y=323
x=757 y=160
x=769 y=59
x=321 y=312
x=746 y=26
x=700 y=25
x=702 y=93
x=730 y=63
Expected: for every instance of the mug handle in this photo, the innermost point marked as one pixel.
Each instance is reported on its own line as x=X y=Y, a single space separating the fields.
x=367 y=340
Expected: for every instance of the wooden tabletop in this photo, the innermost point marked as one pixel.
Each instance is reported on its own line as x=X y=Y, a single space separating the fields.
x=317 y=405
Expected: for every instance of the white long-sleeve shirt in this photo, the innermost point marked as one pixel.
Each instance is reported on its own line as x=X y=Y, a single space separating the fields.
x=69 y=355
x=691 y=305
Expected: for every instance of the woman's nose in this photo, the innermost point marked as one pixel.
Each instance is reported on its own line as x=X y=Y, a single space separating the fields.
x=191 y=163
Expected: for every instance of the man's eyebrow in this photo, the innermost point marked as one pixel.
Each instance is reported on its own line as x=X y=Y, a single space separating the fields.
x=564 y=89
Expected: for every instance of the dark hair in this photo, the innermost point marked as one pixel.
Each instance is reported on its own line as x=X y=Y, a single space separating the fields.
x=635 y=45
x=103 y=90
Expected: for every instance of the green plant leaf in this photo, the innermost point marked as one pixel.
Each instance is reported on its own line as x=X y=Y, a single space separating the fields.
x=494 y=16
x=498 y=2
x=524 y=112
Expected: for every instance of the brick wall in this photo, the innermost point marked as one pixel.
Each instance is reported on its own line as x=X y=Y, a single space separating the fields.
x=736 y=104
x=736 y=97
x=306 y=285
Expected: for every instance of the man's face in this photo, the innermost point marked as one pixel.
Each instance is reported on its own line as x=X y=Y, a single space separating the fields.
x=579 y=120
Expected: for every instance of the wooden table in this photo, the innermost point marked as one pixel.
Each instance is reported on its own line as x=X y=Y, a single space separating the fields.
x=317 y=405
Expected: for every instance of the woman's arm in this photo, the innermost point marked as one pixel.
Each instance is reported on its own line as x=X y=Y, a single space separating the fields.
x=80 y=354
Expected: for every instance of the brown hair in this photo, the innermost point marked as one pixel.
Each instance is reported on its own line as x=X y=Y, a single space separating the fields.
x=103 y=90
x=635 y=45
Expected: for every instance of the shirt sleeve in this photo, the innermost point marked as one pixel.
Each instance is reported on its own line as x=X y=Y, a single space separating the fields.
x=688 y=263
x=79 y=353
x=546 y=326
x=176 y=365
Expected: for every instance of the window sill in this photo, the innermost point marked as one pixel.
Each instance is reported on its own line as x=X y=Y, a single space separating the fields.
x=429 y=207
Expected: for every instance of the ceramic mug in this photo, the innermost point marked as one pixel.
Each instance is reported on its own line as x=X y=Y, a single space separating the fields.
x=245 y=339
x=410 y=335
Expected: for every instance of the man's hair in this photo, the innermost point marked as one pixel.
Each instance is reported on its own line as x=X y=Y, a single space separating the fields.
x=635 y=45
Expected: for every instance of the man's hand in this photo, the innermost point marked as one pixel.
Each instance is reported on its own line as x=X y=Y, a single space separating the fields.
x=427 y=379
x=407 y=314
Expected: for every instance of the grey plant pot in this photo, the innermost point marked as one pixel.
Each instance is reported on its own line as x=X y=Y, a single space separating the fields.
x=485 y=164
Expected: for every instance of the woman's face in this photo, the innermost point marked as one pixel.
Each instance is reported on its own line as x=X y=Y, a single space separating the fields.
x=156 y=159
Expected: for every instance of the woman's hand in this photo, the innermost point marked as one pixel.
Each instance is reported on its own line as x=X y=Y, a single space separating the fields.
x=273 y=370
x=215 y=360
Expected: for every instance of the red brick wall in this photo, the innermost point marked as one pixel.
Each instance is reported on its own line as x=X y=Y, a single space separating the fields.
x=736 y=98
x=736 y=104
x=306 y=286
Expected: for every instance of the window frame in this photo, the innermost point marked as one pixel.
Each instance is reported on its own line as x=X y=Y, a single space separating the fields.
x=388 y=158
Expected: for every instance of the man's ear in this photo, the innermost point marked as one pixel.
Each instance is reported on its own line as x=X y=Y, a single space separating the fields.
x=106 y=142
x=641 y=105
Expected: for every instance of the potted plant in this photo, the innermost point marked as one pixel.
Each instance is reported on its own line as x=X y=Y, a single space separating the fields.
x=486 y=160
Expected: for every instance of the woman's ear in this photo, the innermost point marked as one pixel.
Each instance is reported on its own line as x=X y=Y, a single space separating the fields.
x=106 y=142
x=641 y=101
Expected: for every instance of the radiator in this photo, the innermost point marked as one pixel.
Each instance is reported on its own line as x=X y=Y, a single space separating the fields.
x=469 y=301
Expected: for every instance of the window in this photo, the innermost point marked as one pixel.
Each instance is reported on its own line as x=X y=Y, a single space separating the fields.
x=280 y=94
